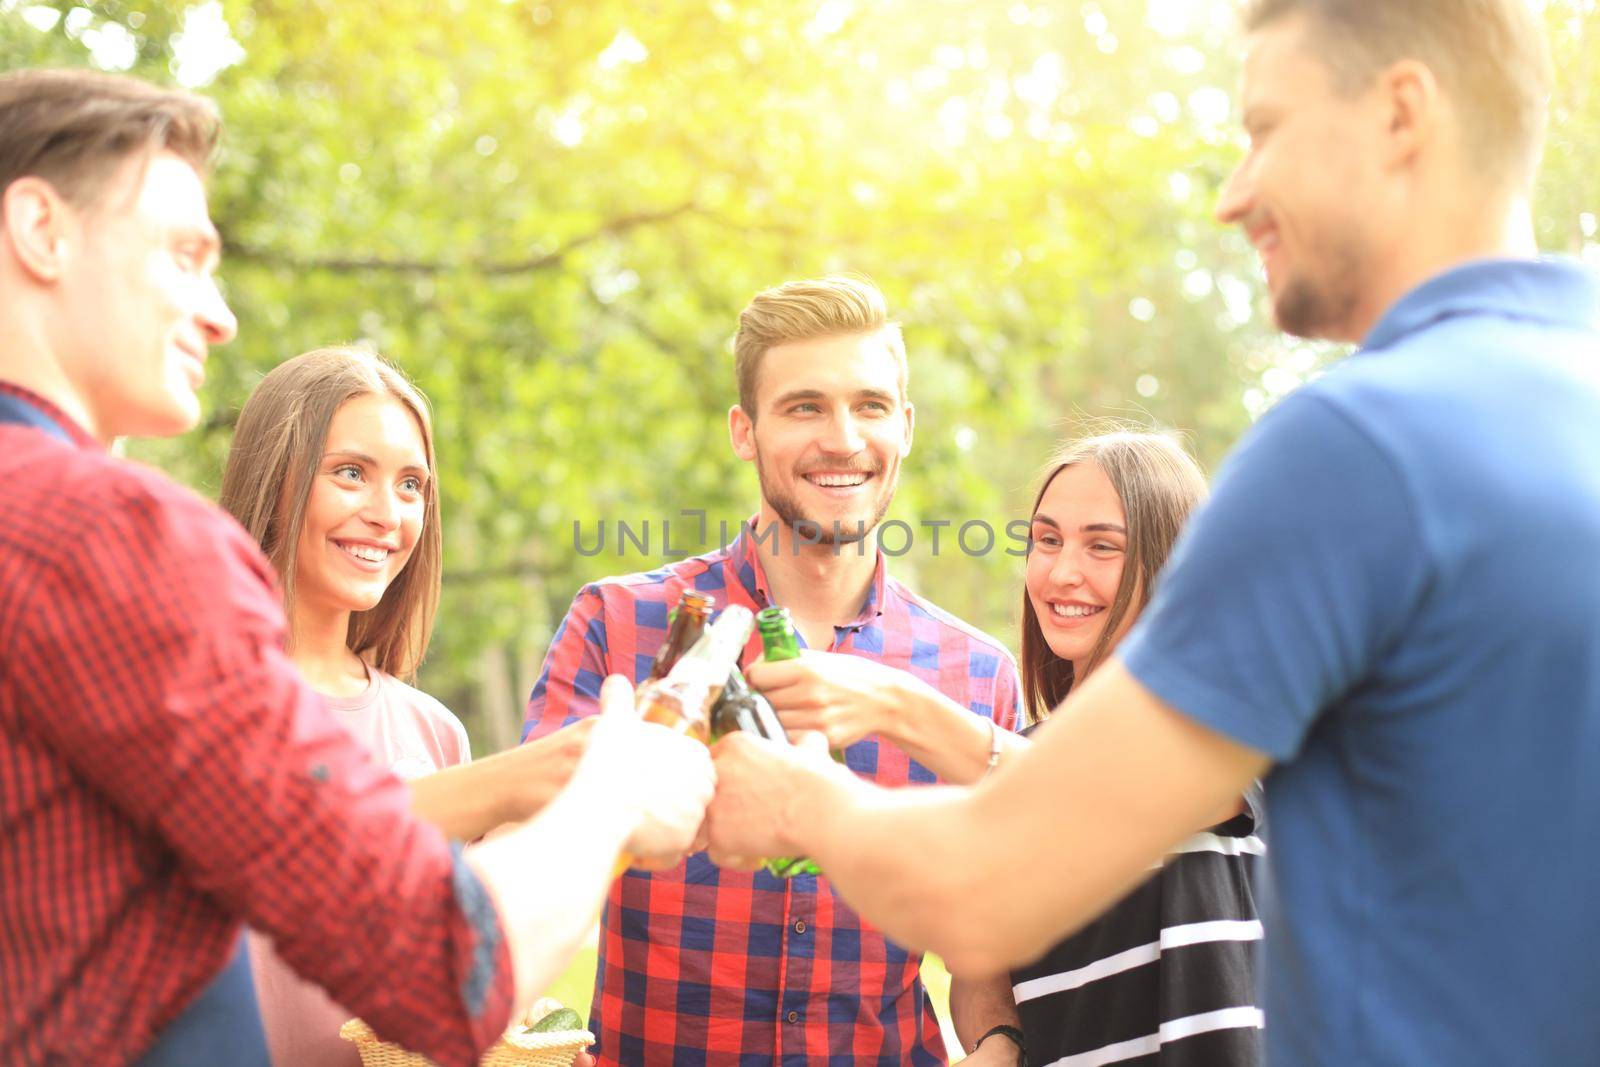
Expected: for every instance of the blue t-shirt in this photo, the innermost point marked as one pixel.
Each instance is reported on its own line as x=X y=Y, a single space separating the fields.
x=1395 y=593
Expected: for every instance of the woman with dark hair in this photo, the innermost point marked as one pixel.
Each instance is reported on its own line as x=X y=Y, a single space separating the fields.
x=332 y=472
x=1166 y=976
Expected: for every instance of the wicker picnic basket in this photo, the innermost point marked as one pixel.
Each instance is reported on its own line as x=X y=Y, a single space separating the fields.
x=557 y=1048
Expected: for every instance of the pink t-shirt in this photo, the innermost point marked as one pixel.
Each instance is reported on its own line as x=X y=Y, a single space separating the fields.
x=415 y=735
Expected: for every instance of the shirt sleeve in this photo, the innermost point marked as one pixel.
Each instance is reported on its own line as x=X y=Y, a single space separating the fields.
x=569 y=685
x=1008 y=695
x=1288 y=585
x=170 y=692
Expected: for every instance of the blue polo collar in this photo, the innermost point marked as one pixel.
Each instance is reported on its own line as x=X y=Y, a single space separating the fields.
x=1562 y=292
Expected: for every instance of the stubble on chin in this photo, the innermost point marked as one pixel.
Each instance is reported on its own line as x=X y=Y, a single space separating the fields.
x=1319 y=309
x=814 y=531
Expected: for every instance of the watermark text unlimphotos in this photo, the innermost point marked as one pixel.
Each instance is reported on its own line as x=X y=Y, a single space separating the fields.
x=688 y=533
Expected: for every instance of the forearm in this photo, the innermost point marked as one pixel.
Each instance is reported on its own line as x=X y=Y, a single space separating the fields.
x=911 y=860
x=468 y=801
x=464 y=802
x=549 y=878
x=1113 y=782
x=978 y=1005
x=942 y=735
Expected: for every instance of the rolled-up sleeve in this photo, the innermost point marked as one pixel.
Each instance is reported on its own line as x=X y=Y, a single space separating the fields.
x=569 y=684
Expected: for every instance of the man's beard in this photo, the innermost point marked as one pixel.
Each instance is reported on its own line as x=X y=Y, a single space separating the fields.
x=1316 y=311
x=813 y=531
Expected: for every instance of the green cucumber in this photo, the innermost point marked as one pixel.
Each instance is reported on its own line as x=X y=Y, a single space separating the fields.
x=560 y=1019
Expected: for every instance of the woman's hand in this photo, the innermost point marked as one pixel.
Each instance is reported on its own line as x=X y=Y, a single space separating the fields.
x=844 y=698
x=544 y=765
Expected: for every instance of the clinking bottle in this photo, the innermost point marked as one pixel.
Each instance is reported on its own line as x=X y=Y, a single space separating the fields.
x=780 y=642
x=742 y=708
x=688 y=623
x=682 y=699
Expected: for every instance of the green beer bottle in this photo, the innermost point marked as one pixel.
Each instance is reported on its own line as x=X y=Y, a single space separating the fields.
x=780 y=642
x=778 y=637
x=742 y=708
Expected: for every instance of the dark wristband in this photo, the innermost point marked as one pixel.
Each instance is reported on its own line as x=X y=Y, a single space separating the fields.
x=1011 y=1033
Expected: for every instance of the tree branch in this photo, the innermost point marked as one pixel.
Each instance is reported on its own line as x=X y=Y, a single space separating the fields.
x=358 y=264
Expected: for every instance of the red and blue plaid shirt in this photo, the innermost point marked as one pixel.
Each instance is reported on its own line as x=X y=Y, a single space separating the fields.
x=709 y=967
x=165 y=776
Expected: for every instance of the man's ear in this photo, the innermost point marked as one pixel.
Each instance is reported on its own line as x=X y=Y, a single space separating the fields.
x=36 y=222
x=911 y=424
x=1411 y=108
x=742 y=432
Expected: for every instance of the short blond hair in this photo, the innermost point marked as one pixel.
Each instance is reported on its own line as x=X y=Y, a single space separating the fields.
x=802 y=310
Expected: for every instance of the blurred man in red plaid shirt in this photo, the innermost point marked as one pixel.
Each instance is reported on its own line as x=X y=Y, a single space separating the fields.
x=165 y=776
x=710 y=966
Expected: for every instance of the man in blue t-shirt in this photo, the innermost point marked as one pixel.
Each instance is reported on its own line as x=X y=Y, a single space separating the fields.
x=1391 y=603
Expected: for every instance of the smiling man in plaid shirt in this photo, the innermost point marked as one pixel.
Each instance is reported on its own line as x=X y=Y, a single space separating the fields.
x=701 y=965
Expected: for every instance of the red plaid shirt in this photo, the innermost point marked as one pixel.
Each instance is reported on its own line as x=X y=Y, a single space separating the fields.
x=166 y=776
x=705 y=966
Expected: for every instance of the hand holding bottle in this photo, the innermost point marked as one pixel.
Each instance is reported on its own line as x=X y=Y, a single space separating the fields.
x=844 y=698
x=663 y=778
x=767 y=792
x=680 y=703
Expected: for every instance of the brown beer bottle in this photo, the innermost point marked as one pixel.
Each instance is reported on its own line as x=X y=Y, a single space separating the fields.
x=682 y=699
x=688 y=623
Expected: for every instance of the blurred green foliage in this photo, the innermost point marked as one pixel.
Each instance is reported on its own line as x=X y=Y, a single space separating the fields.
x=551 y=213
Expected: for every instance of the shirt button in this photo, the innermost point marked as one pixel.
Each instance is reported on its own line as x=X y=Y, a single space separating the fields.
x=800 y=926
x=794 y=1016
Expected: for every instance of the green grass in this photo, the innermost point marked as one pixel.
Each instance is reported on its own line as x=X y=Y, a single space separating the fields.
x=575 y=989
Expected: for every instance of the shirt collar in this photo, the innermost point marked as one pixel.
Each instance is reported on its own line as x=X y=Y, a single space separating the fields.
x=1558 y=291
x=745 y=557
x=47 y=417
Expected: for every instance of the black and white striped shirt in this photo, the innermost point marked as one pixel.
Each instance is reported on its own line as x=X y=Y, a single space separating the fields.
x=1167 y=976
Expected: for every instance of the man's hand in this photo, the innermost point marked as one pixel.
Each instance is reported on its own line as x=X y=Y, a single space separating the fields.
x=844 y=698
x=664 y=779
x=765 y=792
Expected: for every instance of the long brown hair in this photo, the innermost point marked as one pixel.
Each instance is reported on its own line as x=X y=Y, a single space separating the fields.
x=277 y=447
x=1159 y=484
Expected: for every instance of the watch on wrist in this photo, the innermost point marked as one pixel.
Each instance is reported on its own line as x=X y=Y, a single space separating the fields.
x=1010 y=1033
